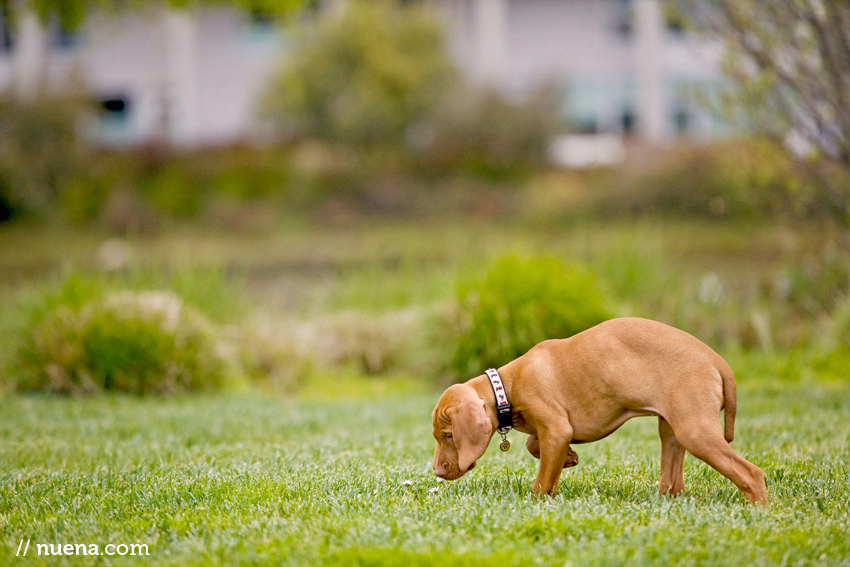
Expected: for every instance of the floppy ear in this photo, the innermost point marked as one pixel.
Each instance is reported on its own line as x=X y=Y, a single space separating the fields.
x=471 y=430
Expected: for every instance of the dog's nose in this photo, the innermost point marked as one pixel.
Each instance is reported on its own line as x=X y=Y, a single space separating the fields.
x=441 y=470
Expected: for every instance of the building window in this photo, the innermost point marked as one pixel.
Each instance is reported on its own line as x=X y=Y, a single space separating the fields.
x=627 y=121
x=114 y=119
x=682 y=119
x=115 y=107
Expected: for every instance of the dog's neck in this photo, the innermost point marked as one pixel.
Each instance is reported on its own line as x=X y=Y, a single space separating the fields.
x=481 y=385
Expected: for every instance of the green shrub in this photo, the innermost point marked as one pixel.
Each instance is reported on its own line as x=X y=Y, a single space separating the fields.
x=520 y=303
x=140 y=343
x=729 y=179
x=482 y=133
x=74 y=334
x=362 y=77
x=83 y=199
x=40 y=152
x=249 y=174
x=175 y=191
x=817 y=273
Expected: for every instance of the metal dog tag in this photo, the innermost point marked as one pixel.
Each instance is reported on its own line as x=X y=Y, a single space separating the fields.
x=505 y=445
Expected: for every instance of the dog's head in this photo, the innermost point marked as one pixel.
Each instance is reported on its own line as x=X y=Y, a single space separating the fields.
x=462 y=430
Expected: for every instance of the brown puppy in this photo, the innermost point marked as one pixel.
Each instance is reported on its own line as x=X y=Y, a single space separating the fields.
x=582 y=389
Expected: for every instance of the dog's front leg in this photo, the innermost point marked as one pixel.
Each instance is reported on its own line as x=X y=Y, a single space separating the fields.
x=554 y=449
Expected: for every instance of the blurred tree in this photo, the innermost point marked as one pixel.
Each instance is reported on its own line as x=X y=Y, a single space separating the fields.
x=791 y=62
x=71 y=13
x=484 y=133
x=363 y=76
x=39 y=151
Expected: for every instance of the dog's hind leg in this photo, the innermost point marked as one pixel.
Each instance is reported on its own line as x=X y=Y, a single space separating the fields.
x=533 y=446
x=672 y=460
x=704 y=439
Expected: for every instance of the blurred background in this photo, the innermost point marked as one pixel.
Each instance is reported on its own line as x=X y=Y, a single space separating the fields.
x=343 y=198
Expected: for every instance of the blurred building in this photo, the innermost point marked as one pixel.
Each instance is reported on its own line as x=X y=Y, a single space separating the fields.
x=627 y=71
x=191 y=78
x=624 y=66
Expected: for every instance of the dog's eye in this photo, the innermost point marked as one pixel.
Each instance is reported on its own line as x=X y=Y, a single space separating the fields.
x=447 y=435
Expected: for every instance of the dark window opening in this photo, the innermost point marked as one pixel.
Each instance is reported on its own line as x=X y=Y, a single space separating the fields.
x=627 y=121
x=114 y=125
x=114 y=106
x=682 y=120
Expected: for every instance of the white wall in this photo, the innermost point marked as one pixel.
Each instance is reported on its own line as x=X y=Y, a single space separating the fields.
x=580 y=44
x=194 y=77
x=191 y=78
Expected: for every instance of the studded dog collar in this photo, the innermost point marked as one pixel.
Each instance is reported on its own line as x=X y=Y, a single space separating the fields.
x=504 y=409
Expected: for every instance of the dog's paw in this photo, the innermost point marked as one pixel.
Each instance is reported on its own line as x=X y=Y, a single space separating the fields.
x=572 y=459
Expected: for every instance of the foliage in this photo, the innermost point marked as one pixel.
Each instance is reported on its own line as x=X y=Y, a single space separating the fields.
x=72 y=13
x=39 y=152
x=173 y=190
x=376 y=82
x=482 y=132
x=138 y=343
x=110 y=332
x=186 y=185
x=362 y=77
x=817 y=273
x=790 y=61
x=379 y=297
x=733 y=179
x=520 y=303
x=132 y=191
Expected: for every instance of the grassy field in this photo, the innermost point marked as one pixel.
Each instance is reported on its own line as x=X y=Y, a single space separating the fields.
x=386 y=264
x=339 y=472
x=259 y=480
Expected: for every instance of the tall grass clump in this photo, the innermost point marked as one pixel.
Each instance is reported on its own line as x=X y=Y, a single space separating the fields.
x=520 y=303
x=141 y=343
x=114 y=333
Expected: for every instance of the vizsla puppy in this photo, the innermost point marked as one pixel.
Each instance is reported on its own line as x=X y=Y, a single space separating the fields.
x=582 y=389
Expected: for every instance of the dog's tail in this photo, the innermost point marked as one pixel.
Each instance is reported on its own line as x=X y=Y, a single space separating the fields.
x=730 y=401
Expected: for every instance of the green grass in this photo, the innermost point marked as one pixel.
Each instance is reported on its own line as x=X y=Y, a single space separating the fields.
x=381 y=265
x=265 y=481
x=341 y=474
